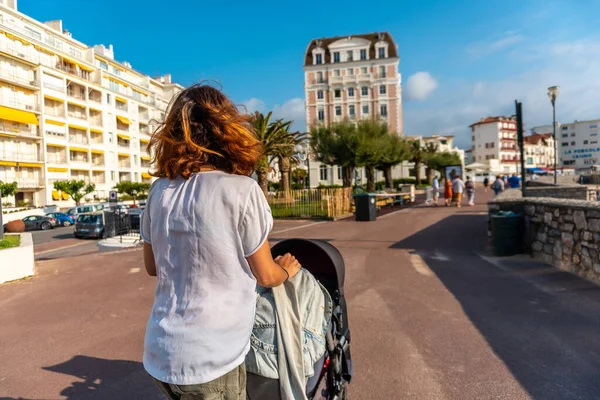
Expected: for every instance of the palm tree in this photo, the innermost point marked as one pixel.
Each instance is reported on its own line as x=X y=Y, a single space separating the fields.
x=417 y=154
x=272 y=136
x=285 y=153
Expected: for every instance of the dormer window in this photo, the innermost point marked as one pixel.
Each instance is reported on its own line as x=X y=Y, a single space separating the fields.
x=336 y=56
x=381 y=52
x=319 y=59
x=349 y=56
x=363 y=54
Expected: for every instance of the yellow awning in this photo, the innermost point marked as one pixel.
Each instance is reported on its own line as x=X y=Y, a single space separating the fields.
x=57 y=169
x=8 y=163
x=122 y=100
x=56 y=145
x=95 y=109
x=124 y=120
x=96 y=130
x=146 y=175
x=34 y=165
x=97 y=151
x=55 y=195
x=148 y=158
x=78 y=63
x=53 y=122
x=79 y=169
x=24 y=117
x=118 y=81
x=79 y=149
x=10 y=135
x=11 y=36
x=123 y=136
x=47 y=96
x=83 y=128
x=144 y=140
x=140 y=91
x=123 y=155
x=65 y=196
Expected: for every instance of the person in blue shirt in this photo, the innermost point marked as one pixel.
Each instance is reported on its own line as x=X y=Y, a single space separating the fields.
x=514 y=181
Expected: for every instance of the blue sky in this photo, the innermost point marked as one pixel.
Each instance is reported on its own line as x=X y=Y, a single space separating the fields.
x=460 y=60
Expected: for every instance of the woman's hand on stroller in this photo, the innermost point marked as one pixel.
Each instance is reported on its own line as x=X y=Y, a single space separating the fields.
x=289 y=264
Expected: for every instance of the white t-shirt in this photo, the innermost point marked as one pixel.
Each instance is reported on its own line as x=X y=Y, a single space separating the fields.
x=201 y=230
x=458 y=186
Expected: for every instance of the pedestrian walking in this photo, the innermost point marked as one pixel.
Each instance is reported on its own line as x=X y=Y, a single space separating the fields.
x=470 y=189
x=498 y=185
x=205 y=230
x=458 y=187
x=514 y=182
x=486 y=183
x=447 y=191
x=436 y=190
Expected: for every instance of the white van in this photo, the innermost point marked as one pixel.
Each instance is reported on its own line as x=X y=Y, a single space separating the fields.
x=84 y=209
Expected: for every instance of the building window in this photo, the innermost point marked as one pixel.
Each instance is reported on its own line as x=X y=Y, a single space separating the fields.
x=363 y=54
x=323 y=172
x=338 y=111
x=319 y=77
x=382 y=89
x=351 y=92
x=381 y=52
x=337 y=93
x=364 y=70
x=382 y=73
x=351 y=110
x=565 y=128
x=565 y=144
x=110 y=137
x=321 y=115
x=336 y=72
x=364 y=91
x=365 y=109
x=594 y=134
x=594 y=142
x=112 y=175
x=565 y=135
x=320 y=94
x=108 y=98
x=350 y=71
x=383 y=110
x=349 y=56
x=319 y=59
x=585 y=142
x=339 y=171
x=103 y=65
x=572 y=134
x=34 y=34
x=572 y=143
x=593 y=126
x=336 y=56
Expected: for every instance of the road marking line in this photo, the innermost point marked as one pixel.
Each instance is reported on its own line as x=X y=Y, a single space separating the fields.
x=134 y=270
x=440 y=257
x=419 y=265
x=59 y=248
x=298 y=227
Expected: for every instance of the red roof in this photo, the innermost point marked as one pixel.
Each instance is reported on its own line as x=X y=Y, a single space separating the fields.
x=537 y=137
x=490 y=120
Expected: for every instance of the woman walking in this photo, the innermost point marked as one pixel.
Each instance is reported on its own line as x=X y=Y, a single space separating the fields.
x=470 y=189
x=448 y=191
x=205 y=231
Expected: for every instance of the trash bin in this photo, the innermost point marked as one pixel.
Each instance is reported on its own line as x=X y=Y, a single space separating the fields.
x=365 y=205
x=506 y=228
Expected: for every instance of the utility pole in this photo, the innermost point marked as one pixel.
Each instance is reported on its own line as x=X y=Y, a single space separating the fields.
x=519 y=114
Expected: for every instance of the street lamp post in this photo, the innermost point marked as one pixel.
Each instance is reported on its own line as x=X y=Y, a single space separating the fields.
x=552 y=95
x=303 y=154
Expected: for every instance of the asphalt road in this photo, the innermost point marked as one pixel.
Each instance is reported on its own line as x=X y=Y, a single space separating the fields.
x=52 y=235
x=431 y=315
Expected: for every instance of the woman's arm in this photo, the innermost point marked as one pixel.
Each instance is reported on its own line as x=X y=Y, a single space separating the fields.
x=269 y=272
x=149 y=259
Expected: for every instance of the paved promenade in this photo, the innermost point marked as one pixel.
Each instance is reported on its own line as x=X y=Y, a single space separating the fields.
x=432 y=317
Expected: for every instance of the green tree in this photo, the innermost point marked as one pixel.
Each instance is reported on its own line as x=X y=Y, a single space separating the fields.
x=373 y=138
x=74 y=188
x=430 y=150
x=299 y=176
x=396 y=151
x=272 y=136
x=8 y=189
x=133 y=189
x=417 y=155
x=336 y=145
x=439 y=161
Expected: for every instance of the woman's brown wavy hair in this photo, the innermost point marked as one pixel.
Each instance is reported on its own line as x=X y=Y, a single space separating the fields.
x=204 y=129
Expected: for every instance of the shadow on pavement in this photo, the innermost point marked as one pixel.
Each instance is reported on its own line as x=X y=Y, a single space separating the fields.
x=106 y=379
x=540 y=321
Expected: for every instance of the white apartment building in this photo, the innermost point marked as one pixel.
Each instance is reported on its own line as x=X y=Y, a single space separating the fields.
x=351 y=77
x=494 y=142
x=71 y=111
x=578 y=143
x=539 y=151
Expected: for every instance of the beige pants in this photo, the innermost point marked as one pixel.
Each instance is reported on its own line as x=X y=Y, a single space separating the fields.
x=231 y=386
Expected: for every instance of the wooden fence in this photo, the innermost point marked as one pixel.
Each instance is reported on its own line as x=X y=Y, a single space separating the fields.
x=311 y=203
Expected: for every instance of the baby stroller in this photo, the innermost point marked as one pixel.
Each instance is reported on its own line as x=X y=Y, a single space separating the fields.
x=333 y=371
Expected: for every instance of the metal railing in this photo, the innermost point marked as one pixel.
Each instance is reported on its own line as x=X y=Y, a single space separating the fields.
x=19 y=156
x=81 y=160
x=85 y=75
x=122 y=223
x=14 y=103
x=7 y=48
x=54 y=159
x=54 y=87
x=29 y=182
x=78 y=139
x=76 y=95
x=311 y=203
x=19 y=130
x=96 y=121
x=52 y=112
x=75 y=115
x=17 y=78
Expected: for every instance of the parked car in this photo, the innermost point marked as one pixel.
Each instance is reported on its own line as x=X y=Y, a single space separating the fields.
x=35 y=222
x=63 y=219
x=90 y=225
x=75 y=211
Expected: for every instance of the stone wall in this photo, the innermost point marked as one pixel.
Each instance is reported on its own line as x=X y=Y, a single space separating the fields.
x=558 y=192
x=564 y=233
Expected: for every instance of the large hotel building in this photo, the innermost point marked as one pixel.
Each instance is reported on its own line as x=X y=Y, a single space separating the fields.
x=351 y=77
x=70 y=111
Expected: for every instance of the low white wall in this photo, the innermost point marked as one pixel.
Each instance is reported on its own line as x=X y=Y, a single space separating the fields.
x=22 y=214
x=17 y=262
x=119 y=243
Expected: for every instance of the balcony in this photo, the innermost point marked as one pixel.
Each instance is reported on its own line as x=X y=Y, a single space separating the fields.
x=77 y=115
x=78 y=159
x=510 y=139
x=14 y=103
x=76 y=94
x=144 y=116
x=145 y=164
x=19 y=156
x=336 y=79
x=96 y=121
x=511 y=160
x=99 y=180
x=7 y=48
x=54 y=112
x=124 y=145
x=52 y=86
x=29 y=183
x=124 y=164
x=20 y=130
x=55 y=133
x=364 y=77
x=97 y=139
x=78 y=139
x=27 y=82
x=144 y=129
x=124 y=177
x=508 y=148
x=98 y=161
x=56 y=158
x=85 y=75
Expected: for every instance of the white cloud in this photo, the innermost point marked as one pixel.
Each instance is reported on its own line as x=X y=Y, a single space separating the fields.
x=291 y=110
x=571 y=65
x=253 y=104
x=483 y=48
x=419 y=86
